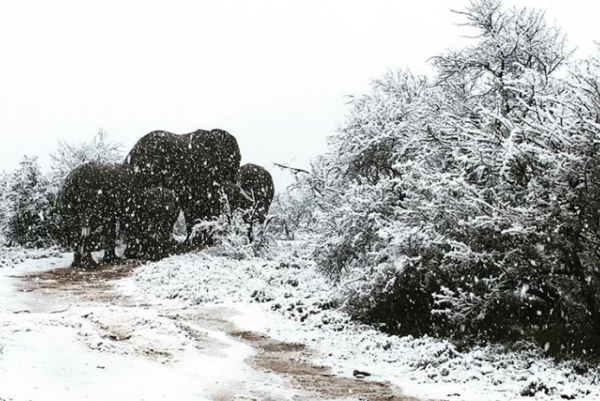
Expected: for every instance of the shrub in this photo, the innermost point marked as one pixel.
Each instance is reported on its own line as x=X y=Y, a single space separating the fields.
x=468 y=205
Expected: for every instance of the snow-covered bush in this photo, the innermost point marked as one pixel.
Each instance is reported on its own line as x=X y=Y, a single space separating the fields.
x=468 y=205
x=293 y=211
x=71 y=155
x=13 y=255
x=4 y=206
x=367 y=240
x=29 y=206
x=228 y=236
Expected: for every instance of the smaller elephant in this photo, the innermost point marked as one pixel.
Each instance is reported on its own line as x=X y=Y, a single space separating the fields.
x=93 y=198
x=256 y=196
x=149 y=232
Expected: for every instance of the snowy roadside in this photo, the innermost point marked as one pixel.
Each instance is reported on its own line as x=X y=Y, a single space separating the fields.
x=289 y=300
x=68 y=341
x=16 y=261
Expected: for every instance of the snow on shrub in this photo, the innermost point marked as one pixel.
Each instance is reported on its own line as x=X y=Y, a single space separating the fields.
x=229 y=236
x=68 y=156
x=14 y=255
x=297 y=301
x=295 y=216
x=468 y=205
x=30 y=214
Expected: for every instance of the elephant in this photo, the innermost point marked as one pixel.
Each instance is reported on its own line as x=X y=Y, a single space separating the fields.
x=255 y=197
x=161 y=159
x=195 y=165
x=94 y=197
x=216 y=158
x=149 y=232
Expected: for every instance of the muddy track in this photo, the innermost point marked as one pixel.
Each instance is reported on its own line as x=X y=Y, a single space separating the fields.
x=81 y=284
x=291 y=361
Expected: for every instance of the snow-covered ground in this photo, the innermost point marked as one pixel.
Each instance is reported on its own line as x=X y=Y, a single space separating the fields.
x=57 y=345
x=288 y=299
x=170 y=331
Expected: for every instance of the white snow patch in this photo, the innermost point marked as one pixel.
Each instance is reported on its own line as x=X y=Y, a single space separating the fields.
x=288 y=299
x=104 y=352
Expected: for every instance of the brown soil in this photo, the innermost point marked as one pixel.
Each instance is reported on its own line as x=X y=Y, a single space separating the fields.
x=81 y=284
x=293 y=360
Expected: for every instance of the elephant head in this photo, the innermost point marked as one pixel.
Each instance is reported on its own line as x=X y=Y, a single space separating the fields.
x=257 y=182
x=252 y=196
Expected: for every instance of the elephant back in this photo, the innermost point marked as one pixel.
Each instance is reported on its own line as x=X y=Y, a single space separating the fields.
x=215 y=154
x=98 y=187
x=215 y=157
x=160 y=159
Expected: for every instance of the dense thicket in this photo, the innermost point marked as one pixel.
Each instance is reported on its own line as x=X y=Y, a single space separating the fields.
x=468 y=204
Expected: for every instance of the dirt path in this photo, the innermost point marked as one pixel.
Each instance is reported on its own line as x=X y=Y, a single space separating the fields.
x=202 y=343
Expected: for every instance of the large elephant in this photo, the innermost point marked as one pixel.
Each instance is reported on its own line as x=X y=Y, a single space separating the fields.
x=161 y=159
x=195 y=165
x=256 y=196
x=94 y=197
x=149 y=232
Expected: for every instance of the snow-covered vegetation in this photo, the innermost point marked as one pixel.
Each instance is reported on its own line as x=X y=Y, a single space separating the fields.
x=297 y=303
x=10 y=256
x=451 y=230
x=466 y=205
x=68 y=156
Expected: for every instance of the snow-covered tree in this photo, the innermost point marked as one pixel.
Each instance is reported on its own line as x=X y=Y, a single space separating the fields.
x=468 y=205
x=515 y=198
x=70 y=155
x=294 y=210
x=29 y=206
x=4 y=206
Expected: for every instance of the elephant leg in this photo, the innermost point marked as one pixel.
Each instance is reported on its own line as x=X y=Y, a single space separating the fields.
x=85 y=249
x=133 y=250
x=80 y=243
x=89 y=262
x=165 y=245
x=110 y=255
x=156 y=247
x=77 y=258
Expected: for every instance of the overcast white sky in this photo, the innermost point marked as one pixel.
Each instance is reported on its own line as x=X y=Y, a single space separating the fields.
x=274 y=73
